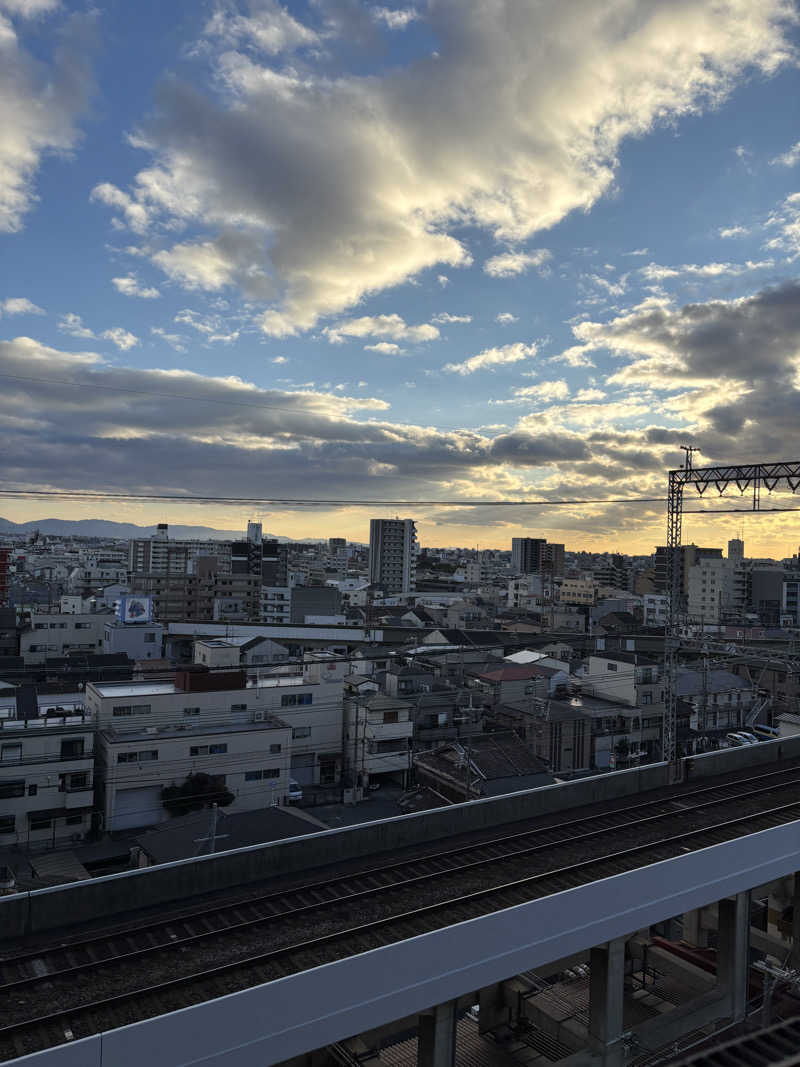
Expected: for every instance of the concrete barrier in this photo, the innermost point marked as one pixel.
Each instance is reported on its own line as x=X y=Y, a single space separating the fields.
x=746 y=757
x=47 y=909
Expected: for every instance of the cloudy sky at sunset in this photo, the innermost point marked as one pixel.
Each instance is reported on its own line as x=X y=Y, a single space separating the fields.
x=464 y=249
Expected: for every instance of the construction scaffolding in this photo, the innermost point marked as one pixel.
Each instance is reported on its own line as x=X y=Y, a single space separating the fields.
x=749 y=477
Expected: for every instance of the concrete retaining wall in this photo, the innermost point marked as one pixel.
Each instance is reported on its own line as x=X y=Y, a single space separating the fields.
x=47 y=909
x=746 y=758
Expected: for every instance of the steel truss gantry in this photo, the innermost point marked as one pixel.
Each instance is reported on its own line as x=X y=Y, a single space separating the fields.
x=746 y=477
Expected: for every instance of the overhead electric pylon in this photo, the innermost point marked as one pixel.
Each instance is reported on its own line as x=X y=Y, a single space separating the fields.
x=753 y=477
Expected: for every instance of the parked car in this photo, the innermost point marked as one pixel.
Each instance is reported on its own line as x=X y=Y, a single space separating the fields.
x=295 y=791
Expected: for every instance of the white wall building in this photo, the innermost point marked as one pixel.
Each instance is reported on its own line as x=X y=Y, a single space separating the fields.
x=56 y=635
x=393 y=554
x=655 y=609
x=711 y=590
x=46 y=771
x=251 y=735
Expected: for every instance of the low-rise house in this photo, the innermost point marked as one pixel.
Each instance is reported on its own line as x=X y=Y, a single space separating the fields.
x=58 y=634
x=485 y=766
x=377 y=739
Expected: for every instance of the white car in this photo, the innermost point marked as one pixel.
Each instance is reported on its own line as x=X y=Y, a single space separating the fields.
x=295 y=791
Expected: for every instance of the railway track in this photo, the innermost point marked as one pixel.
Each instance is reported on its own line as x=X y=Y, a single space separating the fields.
x=216 y=944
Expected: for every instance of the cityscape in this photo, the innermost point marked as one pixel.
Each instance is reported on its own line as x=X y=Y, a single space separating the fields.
x=399 y=551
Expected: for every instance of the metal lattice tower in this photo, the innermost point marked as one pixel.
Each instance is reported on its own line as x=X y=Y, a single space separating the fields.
x=744 y=477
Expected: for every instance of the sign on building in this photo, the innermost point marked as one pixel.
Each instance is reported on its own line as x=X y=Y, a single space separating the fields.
x=135 y=609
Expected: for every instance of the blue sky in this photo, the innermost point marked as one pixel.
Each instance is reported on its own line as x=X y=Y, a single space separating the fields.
x=464 y=248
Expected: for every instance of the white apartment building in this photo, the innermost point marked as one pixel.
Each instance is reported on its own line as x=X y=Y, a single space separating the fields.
x=624 y=677
x=252 y=736
x=58 y=634
x=655 y=609
x=393 y=554
x=276 y=604
x=711 y=590
x=46 y=771
x=377 y=739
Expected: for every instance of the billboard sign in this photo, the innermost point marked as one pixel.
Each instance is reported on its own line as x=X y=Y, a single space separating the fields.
x=135 y=609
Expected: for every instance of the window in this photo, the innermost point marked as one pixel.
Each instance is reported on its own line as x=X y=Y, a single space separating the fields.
x=647 y=698
x=7 y=824
x=40 y=822
x=274 y=749
x=190 y=711
x=217 y=750
x=144 y=756
x=291 y=700
x=12 y=789
x=131 y=709
x=611 y=666
x=74 y=820
x=238 y=707
x=198 y=750
x=33 y=790
x=301 y=731
x=11 y=753
x=78 y=781
x=390 y=716
x=149 y=638
x=40 y=626
x=72 y=747
x=253 y=776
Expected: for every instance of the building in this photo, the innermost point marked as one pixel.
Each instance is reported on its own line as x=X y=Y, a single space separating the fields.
x=311 y=602
x=160 y=555
x=736 y=550
x=249 y=735
x=485 y=766
x=655 y=609
x=393 y=555
x=46 y=769
x=533 y=555
x=377 y=740
x=710 y=590
x=276 y=604
x=60 y=634
x=687 y=556
x=5 y=553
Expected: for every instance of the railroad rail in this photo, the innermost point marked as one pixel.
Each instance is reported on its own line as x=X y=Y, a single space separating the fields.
x=112 y=979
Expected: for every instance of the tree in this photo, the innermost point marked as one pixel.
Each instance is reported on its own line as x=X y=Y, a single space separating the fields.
x=198 y=791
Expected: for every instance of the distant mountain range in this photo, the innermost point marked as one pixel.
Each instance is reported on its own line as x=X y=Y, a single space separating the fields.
x=105 y=528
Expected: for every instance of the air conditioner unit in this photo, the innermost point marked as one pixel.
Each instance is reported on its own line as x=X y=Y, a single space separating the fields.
x=258 y=716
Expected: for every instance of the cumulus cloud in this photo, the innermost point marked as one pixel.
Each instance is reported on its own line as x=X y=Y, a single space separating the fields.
x=386 y=348
x=786 y=222
x=134 y=213
x=123 y=339
x=492 y=357
x=73 y=325
x=174 y=340
x=788 y=158
x=392 y=326
x=346 y=186
x=733 y=231
x=506 y=318
x=547 y=391
x=129 y=286
x=509 y=263
x=213 y=327
x=395 y=18
x=654 y=272
x=269 y=27
x=40 y=101
x=19 y=305
x=444 y=318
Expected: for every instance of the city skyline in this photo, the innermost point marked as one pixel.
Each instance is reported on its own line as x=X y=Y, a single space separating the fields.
x=244 y=254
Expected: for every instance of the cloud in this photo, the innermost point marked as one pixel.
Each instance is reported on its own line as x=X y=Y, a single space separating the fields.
x=637 y=252
x=492 y=357
x=280 y=359
x=123 y=339
x=510 y=263
x=392 y=326
x=136 y=214
x=73 y=325
x=444 y=318
x=129 y=286
x=19 y=305
x=505 y=318
x=174 y=340
x=654 y=272
x=386 y=348
x=345 y=186
x=443 y=280
x=733 y=231
x=395 y=18
x=40 y=101
x=589 y=396
x=269 y=28
x=548 y=391
x=786 y=220
x=213 y=327
x=788 y=158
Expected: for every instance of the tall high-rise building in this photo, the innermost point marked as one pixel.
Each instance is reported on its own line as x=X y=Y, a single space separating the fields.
x=533 y=555
x=736 y=550
x=393 y=554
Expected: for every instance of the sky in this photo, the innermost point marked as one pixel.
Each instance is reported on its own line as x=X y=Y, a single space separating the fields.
x=467 y=249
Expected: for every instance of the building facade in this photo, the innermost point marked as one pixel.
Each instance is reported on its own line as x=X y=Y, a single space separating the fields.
x=393 y=554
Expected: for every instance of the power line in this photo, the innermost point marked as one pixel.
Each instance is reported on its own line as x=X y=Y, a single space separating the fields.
x=81 y=494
